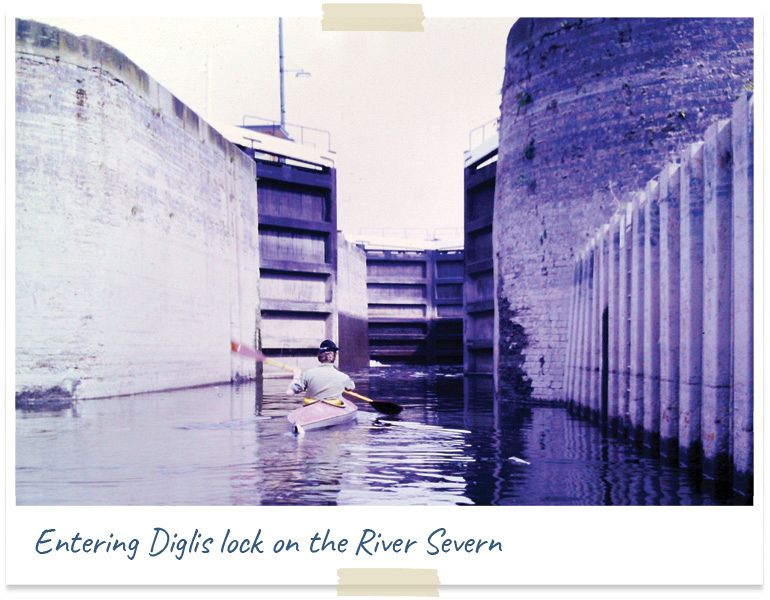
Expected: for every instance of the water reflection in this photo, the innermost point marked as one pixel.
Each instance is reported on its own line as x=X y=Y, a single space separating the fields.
x=231 y=445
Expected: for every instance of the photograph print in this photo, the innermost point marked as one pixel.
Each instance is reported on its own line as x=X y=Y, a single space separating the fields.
x=485 y=262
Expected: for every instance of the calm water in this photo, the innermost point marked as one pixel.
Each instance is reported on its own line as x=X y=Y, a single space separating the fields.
x=231 y=445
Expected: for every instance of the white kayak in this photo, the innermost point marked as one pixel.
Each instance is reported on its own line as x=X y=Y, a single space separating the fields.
x=321 y=414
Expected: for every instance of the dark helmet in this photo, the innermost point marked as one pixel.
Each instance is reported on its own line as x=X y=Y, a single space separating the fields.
x=327 y=346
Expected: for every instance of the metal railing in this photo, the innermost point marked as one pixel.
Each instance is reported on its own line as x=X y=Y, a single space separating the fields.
x=308 y=136
x=478 y=135
x=414 y=233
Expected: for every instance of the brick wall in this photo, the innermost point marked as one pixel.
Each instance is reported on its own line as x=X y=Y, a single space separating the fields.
x=136 y=229
x=590 y=108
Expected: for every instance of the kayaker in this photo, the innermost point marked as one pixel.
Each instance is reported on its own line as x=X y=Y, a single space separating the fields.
x=324 y=382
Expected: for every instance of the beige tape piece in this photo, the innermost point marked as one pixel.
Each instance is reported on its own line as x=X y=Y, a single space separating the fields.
x=387 y=582
x=372 y=17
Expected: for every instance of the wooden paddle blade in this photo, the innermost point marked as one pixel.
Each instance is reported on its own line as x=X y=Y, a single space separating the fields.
x=389 y=408
x=246 y=351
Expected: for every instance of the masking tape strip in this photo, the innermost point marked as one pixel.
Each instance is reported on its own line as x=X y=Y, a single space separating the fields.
x=372 y=17
x=387 y=582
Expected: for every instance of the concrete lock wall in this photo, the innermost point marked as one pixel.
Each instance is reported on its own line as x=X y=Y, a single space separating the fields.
x=415 y=302
x=137 y=250
x=682 y=373
x=298 y=252
x=352 y=307
x=590 y=107
x=479 y=288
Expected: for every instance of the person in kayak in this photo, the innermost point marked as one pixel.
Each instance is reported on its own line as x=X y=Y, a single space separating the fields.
x=324 y=382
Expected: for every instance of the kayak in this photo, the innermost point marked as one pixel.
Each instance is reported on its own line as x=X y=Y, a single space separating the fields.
x=320 y=414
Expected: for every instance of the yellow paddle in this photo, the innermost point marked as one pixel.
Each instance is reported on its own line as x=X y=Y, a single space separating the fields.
x=389 y=408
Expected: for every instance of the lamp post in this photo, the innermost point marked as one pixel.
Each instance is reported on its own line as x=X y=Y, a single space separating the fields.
x=282 y=71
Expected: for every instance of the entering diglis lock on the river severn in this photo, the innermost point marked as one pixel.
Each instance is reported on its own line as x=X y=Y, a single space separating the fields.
x=216 y=328
x=165 y=542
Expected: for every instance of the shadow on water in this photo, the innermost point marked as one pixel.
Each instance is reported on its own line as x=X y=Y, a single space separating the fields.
x=454 y=443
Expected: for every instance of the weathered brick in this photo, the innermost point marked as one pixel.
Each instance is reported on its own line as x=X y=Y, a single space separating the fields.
x=602 y=104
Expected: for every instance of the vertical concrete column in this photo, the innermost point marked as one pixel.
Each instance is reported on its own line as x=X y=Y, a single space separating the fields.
x=577 y=351
x=585 y=391
x=624 y=314
x=743 y=289
x=578 y=385
x=582 y=323
x=567 y=363
x=669 y=309
x=603 y=316
x=585 y=384
x=717 y=305
x=430 y=306
x=690 y=303
x=596 y=330
x=578 y=348
x=636 y=394
x=571 y=331
x=613 y=302
x=651 y=312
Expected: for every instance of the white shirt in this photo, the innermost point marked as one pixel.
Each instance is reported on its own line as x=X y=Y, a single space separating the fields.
x=321 y=383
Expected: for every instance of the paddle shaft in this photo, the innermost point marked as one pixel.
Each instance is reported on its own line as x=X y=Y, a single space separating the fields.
x=251 y=353
x=359 y=396
x=382 y=406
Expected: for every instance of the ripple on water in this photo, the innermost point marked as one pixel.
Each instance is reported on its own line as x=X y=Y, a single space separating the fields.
x=230 y=445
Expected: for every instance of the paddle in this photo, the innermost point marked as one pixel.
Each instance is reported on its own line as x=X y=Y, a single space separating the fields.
x=383 y=406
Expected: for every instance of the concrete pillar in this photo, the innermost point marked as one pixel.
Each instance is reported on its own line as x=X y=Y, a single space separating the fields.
x=571 y=326
x=636 y=394
x=613 y=302
x=582 y=322
x=596 y=330
x=603 y=324
x=577 y=382
x=743 y=289
x=567 y=365
x=624 y=315
x=690 y=303
x=669 y=308
x=585 y=388
x=717 y=306
x=577 y=356
x=651 y=314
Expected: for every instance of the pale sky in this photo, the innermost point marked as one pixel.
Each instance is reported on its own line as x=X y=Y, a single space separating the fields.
x=399 y=106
